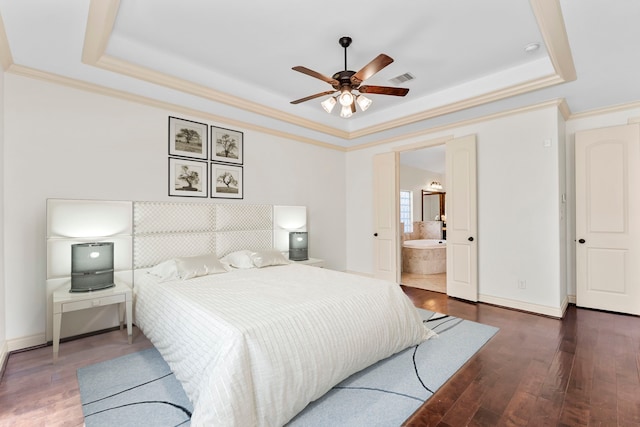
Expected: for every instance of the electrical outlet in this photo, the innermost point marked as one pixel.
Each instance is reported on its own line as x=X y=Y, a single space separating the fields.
x=522 y=284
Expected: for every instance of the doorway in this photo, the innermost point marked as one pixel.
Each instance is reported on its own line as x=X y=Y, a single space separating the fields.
x=423 y=175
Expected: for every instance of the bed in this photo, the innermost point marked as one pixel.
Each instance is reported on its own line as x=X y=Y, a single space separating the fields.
x=253 y=346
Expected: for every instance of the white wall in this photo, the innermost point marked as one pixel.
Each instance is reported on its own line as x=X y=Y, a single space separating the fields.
x=518 y=205
x=67 y=143
x=3 y=311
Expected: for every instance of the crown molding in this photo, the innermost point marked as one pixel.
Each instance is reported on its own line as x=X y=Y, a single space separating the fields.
x=174 y=108
x=548 y=15
x=554 y=33
x=605 y=110
x=102 y=14
x=461 y=105
x=560 y=103
x=6 y=59
x=101 y=19
x=564 y=109
x=100 y=22
x=128 y=96
x=418 y=134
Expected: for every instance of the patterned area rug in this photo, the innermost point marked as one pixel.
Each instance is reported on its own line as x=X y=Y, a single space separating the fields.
x=140 y=390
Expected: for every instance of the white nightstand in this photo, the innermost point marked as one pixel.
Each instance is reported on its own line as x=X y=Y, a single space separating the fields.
x=65 y=301
x=315 y=262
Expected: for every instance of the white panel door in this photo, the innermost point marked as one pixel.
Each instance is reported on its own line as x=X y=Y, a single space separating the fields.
x=608 y=219
x=386 y=216
x=462 y=219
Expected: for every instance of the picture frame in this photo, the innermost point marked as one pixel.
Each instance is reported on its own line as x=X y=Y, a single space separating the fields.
x=227 y=181
x=188 y=138
x=188 y=178
x=227 y=145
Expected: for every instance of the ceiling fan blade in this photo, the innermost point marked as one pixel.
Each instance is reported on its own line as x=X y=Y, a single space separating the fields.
x=317 y=95
x=378 y=63
x=308 y=72
x=384 y=90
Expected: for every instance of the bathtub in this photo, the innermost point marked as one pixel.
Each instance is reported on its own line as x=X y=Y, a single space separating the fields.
x=424 y=256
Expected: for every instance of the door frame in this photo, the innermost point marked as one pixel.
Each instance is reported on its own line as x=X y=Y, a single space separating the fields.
x=413 y=147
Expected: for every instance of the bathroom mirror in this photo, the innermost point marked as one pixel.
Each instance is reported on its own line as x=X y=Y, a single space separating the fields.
x=433 y=203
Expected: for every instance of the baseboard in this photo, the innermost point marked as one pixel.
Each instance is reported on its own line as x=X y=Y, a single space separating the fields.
x=4 y=355
x=571 y=299
x=26 y=342
x=557 y=312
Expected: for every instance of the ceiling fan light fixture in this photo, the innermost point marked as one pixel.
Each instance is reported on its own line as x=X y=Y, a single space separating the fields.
x=347 y=81
x=345 y=112
x=346 y=98
x=328 y=104
x=363 y=102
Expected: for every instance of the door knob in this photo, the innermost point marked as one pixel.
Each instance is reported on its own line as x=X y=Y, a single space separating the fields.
x=581 y=241
x=470 y=239
x=375 y=234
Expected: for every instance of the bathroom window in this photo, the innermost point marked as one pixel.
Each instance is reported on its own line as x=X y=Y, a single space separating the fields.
x=406 y=210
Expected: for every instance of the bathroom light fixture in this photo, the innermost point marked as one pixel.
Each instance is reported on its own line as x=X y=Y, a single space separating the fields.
x=435 y=185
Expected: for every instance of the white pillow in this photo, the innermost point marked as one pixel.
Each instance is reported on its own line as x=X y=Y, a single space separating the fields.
x=266 y=258
x=166 y=270
x=239 y=259
x=188 y=267
x=196 y=266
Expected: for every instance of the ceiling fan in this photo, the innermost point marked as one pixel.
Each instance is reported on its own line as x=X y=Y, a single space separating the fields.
x=347 y=81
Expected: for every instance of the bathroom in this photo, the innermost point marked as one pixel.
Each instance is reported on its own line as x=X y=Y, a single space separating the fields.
x=423 y=219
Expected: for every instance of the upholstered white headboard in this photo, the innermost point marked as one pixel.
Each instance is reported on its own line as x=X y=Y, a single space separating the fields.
x=164 y=230
x=146 y=233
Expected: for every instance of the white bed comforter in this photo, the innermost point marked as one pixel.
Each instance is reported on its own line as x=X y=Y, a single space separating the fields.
x=254 y=347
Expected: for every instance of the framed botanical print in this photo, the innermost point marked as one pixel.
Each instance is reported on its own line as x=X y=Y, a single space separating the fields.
x=226 y=181
x=188 y=178
x=227 y=145
x=188 y=138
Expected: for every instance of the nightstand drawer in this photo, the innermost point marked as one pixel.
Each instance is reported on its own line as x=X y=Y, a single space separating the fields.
x=93 y=302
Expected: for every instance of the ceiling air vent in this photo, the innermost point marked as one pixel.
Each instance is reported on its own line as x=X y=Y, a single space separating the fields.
x=402 y=78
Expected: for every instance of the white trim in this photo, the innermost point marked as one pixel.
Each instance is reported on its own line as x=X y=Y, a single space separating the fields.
x=548 y=16
x=571 y=299
x=6 y=59
x=557 y=312
x=4 y=354
x=26 y=342
x=551 y=24
x=558 y=103
x=106 y=91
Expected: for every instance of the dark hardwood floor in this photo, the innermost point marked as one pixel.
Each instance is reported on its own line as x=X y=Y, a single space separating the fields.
x=36 y=392
x=583 y=370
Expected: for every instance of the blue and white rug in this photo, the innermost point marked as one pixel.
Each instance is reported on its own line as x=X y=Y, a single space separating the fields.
x=140 y=390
